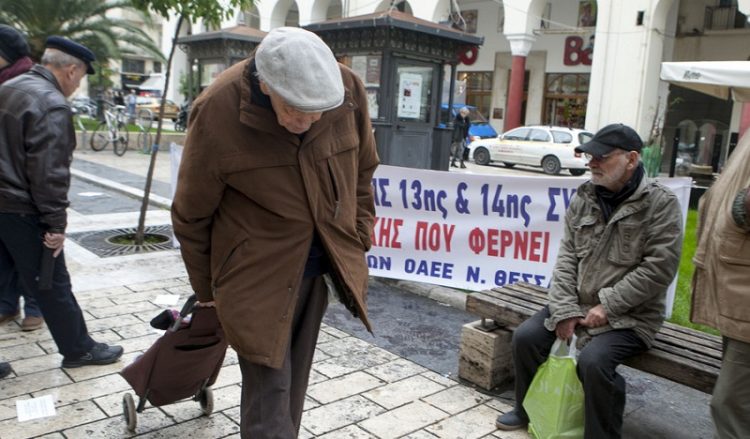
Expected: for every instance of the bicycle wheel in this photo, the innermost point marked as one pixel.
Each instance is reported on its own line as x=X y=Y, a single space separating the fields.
x=100 y=137
x=121 y=143
x=143 y=142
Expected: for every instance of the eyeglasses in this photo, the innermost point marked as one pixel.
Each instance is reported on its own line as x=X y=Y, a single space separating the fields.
x=602 y=158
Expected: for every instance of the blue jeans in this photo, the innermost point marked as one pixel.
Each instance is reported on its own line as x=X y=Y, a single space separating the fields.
x=10 y=292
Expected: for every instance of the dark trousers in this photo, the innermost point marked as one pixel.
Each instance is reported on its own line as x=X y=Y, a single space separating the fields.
x=730 y=405
x=21 y=251
x=273 y=399
x=11 y=292
x=603 y=387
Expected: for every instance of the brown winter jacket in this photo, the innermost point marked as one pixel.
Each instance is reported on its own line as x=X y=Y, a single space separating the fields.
x=250 y=195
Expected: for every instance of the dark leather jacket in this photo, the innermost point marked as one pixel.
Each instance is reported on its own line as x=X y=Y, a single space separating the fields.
x=36 y=148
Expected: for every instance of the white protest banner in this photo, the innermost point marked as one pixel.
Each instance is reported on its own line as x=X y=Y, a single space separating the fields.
x=472 y=231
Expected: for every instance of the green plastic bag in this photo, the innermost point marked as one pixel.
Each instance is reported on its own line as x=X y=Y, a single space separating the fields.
x=554 y=401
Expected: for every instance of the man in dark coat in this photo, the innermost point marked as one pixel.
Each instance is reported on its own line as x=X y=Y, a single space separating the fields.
x=37 y=142
x=461 y=127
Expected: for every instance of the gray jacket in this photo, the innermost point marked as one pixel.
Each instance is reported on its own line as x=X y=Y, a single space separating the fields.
x=36 y=148
x=626 y=264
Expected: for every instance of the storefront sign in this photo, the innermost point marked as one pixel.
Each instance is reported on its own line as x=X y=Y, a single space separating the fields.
x=575 y=52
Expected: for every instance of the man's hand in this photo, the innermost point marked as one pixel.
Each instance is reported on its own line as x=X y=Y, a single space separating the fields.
x=596 y=317
x=210 y=304
x=54 y=241
x=565 y=328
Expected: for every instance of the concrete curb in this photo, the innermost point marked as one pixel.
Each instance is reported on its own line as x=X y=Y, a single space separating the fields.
x=156 y=200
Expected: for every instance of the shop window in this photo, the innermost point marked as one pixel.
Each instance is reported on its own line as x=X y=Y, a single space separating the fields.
x=565 y=99
x=478 y=90
x=157 y=67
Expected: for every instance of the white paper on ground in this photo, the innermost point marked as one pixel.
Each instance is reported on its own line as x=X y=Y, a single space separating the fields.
x=28 y=409
x=167 y=299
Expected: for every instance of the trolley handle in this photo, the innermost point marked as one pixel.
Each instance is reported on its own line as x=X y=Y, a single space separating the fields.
x=186 y=309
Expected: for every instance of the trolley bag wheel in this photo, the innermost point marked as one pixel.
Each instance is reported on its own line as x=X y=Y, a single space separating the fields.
x=128 y=410
x=206 y=399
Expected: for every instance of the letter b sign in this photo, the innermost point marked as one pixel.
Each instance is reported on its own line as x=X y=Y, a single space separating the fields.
x=575 y=53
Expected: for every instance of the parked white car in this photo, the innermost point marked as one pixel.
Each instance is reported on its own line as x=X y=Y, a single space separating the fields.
x=550 y=147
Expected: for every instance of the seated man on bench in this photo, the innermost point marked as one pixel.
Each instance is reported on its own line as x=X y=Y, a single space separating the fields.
x=620 y=252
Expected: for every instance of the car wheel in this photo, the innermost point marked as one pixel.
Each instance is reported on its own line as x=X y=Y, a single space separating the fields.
x=551 y=165
x=577 y=172
x=509 y=164
x=481 y=156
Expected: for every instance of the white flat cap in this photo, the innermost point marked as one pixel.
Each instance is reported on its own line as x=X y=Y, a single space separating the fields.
x=298 y=66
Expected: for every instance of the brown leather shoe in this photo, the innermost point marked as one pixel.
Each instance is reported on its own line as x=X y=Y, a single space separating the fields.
x=31 y=323
x=4 y=318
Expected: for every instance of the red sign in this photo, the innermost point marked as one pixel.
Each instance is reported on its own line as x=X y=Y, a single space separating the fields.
x=575 y=52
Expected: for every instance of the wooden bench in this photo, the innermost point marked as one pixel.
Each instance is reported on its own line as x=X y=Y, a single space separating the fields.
x=679 y=354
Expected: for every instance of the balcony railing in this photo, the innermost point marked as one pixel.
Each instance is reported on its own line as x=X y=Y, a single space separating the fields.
x=724 y=17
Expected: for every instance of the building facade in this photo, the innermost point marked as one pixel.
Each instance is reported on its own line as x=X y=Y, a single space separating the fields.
x=578 y=63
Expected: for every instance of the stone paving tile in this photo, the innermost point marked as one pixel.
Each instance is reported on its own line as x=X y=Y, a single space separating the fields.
x=85 y=390
x=403 y=420
x=51 y=436
x=329 y=417
x=89 y=372
x=447 y=382
x=137 y=330
x=233 y=414
x=333 y=331
x=99 y=293
x=396 y=370
x=304 y=434
x=421 y=434
x=403 y=392
x=113 y=323
x=344 y=347
x=319 y=356
x=112 y=404
x=502 y=407
x=204 y=427
x=517 y=434
x=316 y=377
x=13 y=336
x=456 y=399
x=228 y=376
x=162 y=283
x=310 y=403
x=36 y=364
x=141 y=296
x=116 y=310
x=224 y=398
x=115 y=427
x=350 y=432
x=336 y=367
x=20 y=352
x=183 y=290
x=67 y=417
x=8 y=407
x=474 y=423
x=93 y=303
x=139 y=343
x=35 y=382
x=324 y=337
x=343 y=387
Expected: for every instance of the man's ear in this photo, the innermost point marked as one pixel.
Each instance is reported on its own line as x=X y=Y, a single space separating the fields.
x=264 y=88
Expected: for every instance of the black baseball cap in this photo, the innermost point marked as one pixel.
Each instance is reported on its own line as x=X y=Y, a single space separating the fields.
x=73 y=49
x=13 y=45
x=610 y=137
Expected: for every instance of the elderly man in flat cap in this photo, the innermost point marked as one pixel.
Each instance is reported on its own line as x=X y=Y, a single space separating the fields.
x=620 y=252
x=273 y=204
x=37 y=142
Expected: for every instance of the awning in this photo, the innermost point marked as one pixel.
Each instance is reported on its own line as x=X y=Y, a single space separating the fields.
x=155 y=82
x=717 y=78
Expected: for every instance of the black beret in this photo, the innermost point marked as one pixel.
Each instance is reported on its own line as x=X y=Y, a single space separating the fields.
x=13 y=45
x=73 y=49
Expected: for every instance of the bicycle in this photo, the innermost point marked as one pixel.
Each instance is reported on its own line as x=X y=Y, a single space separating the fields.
x=144 y=120
x=78 y=125
x=113 y=129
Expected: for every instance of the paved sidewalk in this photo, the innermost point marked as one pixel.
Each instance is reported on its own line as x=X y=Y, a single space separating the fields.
x=358 y=388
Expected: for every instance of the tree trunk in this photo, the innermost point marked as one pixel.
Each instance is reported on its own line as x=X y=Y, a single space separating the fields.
x=139 y=234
